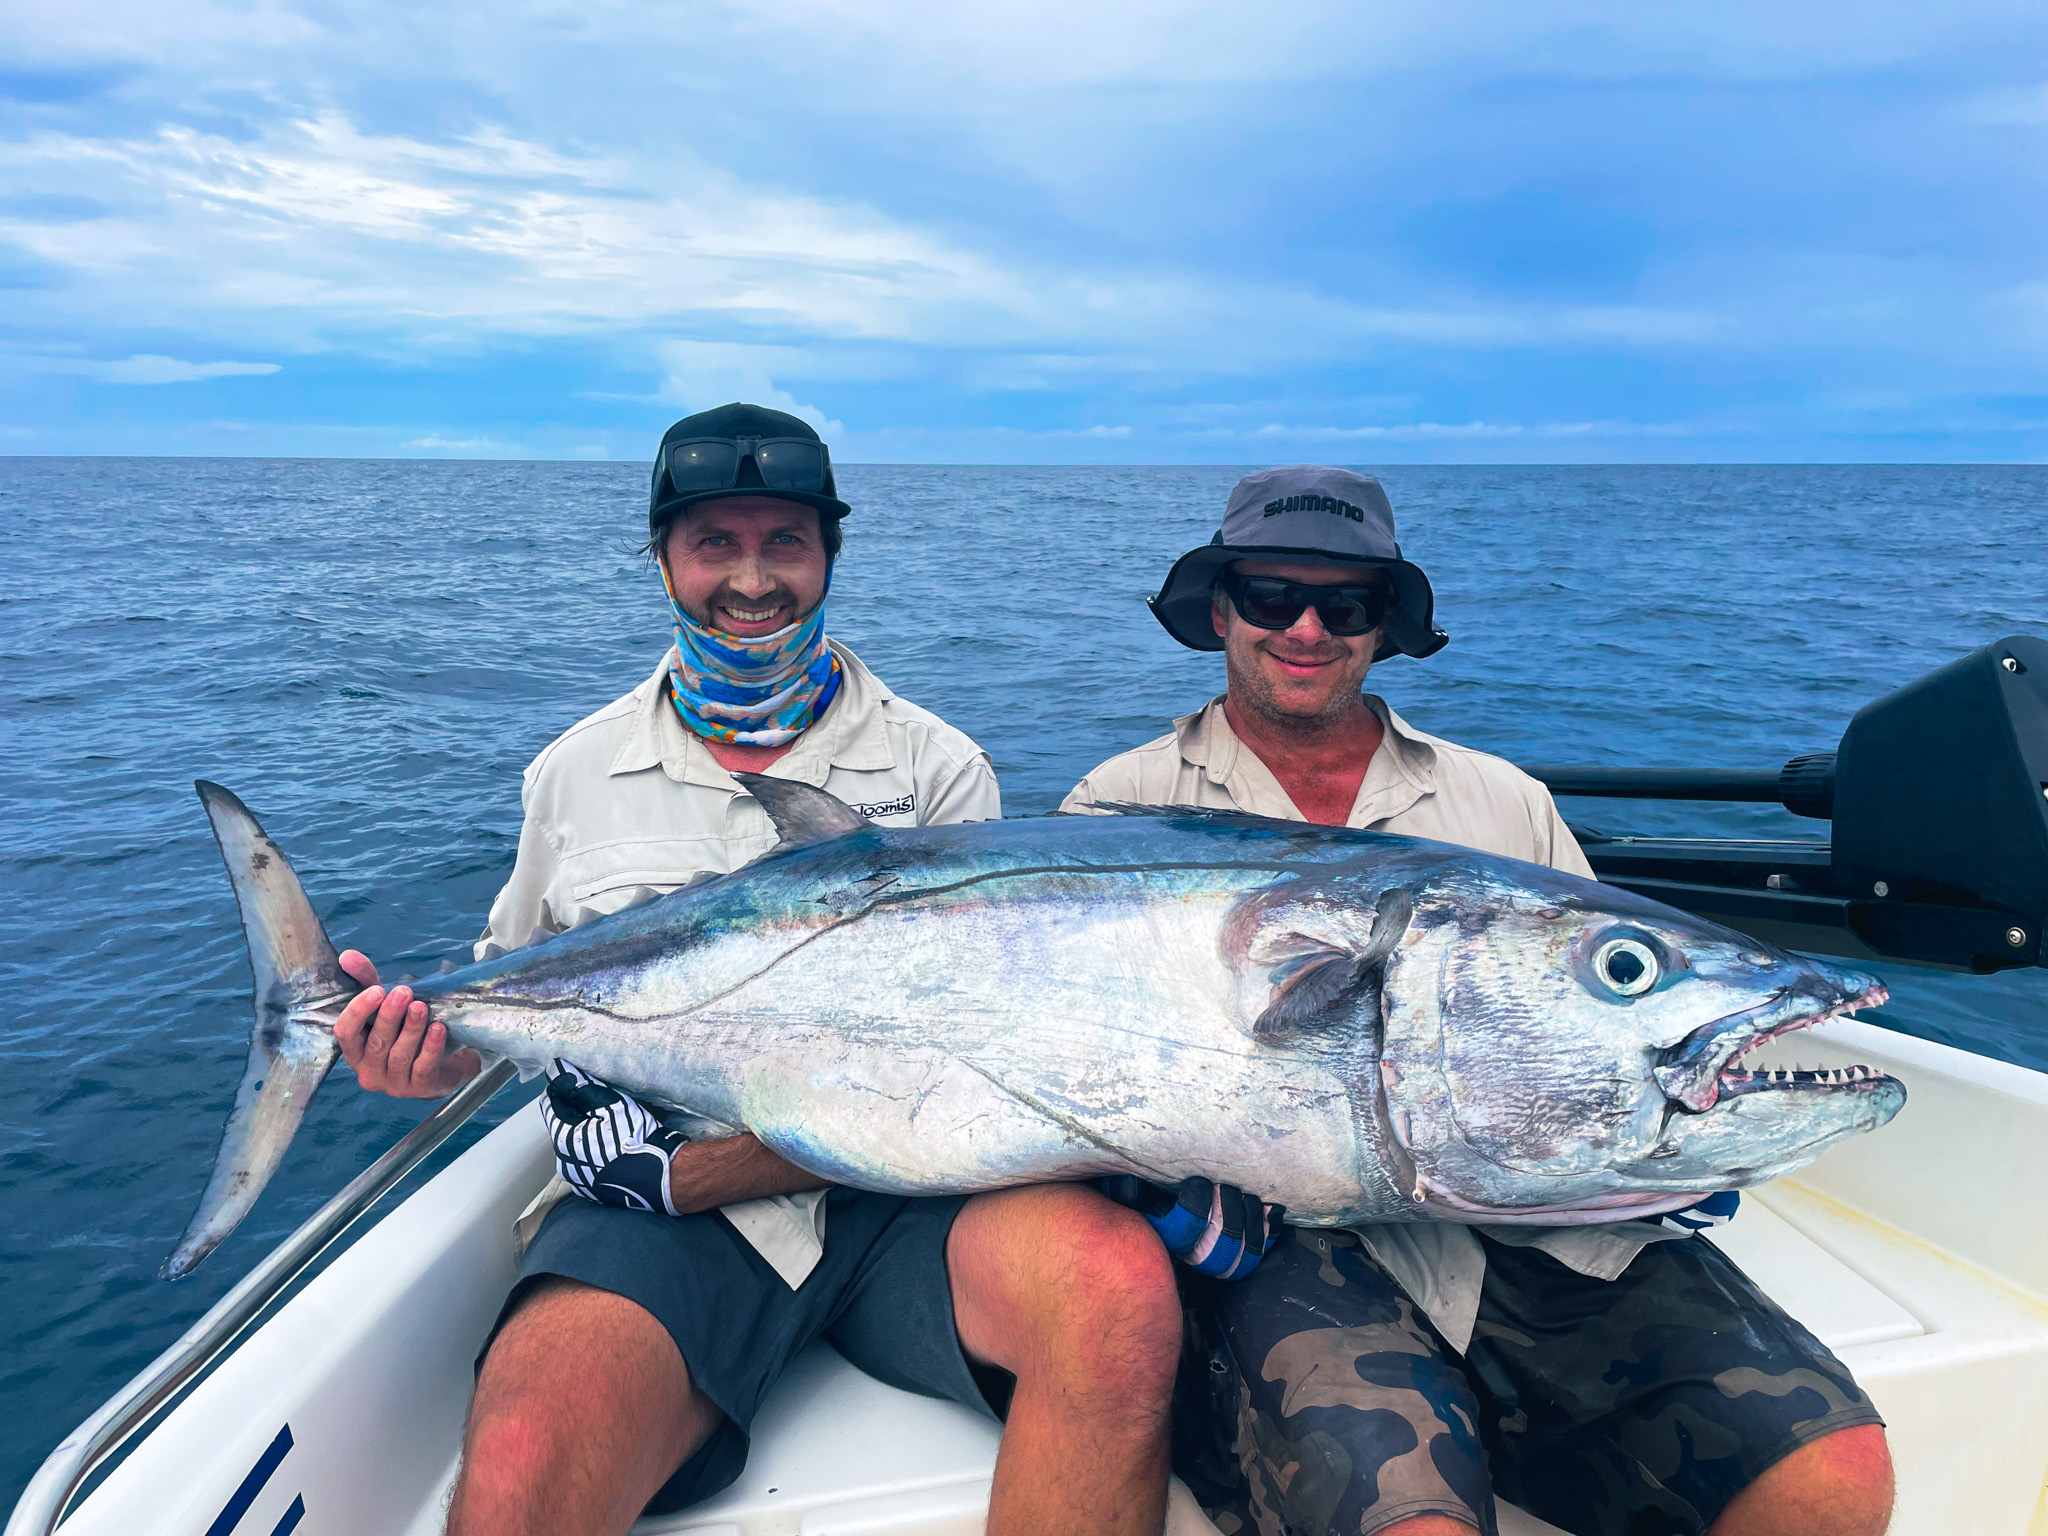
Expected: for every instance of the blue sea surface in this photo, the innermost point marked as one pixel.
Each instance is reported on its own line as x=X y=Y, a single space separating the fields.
x=370 y=653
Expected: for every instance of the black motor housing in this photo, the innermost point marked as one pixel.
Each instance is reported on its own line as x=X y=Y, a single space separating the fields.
x=1941 y=788
x=1939 y=855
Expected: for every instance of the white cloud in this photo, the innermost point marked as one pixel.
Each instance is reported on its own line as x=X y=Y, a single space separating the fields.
x=316 y=230
x=487 y=232
x=702 y=374
x=148 y=368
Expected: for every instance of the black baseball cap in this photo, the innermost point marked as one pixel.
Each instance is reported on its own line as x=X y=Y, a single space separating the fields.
x=770 y=453
x=1303 y=512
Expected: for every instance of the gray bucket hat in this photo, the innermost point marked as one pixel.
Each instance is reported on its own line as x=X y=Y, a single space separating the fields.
x=1303 y=511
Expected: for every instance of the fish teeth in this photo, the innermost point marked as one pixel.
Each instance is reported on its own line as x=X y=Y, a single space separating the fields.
x=1832 y=1077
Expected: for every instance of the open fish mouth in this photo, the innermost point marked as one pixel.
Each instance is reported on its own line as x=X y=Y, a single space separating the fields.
x=1701 y=1069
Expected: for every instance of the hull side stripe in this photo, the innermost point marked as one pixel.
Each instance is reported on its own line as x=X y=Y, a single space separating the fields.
x=244 y=1496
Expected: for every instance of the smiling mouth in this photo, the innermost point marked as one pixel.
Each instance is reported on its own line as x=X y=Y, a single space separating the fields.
x=1701 y=1069
x=751 y=615
x=1305 y=663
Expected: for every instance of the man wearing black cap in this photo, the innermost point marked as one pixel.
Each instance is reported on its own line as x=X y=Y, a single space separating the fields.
x=653 y=1315
x=1612 y=1379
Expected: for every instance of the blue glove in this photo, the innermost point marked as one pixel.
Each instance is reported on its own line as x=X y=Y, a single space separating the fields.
x=1714 y=1211
x=608 y=1145
x=1214 y=1229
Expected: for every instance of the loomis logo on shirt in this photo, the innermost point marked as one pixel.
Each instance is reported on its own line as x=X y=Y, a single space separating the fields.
x=883 y=808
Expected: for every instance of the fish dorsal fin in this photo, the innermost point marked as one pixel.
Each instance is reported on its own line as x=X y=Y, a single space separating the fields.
x=1196 y=812
x=801 y=813
x=1316 y=980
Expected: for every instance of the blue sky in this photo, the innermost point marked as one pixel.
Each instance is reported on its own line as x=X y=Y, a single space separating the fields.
x=1045 y=232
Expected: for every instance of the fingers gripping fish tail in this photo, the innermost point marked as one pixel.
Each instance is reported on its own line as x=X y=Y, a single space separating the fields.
x=300 y=989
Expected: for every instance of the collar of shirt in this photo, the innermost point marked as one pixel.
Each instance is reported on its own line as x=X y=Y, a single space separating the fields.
x=1402 y=771
x=852 y=733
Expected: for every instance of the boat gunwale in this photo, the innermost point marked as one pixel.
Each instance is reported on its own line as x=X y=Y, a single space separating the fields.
x=49 y=1495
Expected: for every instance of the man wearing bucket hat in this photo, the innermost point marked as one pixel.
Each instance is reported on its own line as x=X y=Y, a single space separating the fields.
x=653 y=1314
x=1612 y=1379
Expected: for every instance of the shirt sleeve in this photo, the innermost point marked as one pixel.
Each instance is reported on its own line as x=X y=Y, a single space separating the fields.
x=1561 y=849
x=1117 y=779
x=521 y=909
x=970 y=794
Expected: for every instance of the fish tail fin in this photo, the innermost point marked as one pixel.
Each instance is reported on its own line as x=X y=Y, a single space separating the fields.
x=300 y=989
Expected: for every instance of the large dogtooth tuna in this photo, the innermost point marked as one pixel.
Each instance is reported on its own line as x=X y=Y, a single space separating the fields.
x=1359 y=1026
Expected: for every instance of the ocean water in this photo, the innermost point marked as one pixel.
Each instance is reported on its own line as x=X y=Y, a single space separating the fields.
x=369 y=653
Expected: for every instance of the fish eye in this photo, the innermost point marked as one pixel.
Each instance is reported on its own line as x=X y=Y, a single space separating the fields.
x=1627 y=966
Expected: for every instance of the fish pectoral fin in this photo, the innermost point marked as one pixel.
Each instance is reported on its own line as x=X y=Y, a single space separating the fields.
x=1308 y=997
x=802 y=813
x=1321 y=981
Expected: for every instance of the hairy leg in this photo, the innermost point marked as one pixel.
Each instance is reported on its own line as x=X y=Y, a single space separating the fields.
x=1838 y=1485
x=1075 y=1296
x=583 y=1410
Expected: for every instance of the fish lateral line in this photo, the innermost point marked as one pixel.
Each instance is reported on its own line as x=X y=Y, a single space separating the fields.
x=1060 y=1118
x=893 y=897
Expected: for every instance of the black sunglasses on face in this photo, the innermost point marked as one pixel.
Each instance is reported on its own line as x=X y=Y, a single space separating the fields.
x=1270 y=603
x=713 y=463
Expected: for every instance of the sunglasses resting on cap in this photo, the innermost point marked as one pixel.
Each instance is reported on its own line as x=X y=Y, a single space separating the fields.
x=713 y=463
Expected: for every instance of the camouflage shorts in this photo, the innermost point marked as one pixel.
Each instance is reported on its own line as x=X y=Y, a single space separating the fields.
x=1314 y=1397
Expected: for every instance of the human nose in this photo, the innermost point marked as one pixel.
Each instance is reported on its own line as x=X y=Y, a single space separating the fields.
x=750 y=577
x=1308 y=629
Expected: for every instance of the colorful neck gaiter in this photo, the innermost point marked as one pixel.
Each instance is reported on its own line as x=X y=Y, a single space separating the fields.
x=751 y=692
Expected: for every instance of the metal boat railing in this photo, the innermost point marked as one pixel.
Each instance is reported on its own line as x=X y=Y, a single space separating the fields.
x=49 y=1493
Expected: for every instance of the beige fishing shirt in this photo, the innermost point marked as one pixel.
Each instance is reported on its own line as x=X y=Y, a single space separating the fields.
x=628 y=804
x=1419 y=786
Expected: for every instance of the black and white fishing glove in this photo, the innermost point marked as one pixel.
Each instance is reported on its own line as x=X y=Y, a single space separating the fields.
x=608 y=1145
x=1714 y=1211
x=1214 y=1229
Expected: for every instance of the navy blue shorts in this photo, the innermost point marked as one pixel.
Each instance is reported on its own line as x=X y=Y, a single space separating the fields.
x=880 y=1296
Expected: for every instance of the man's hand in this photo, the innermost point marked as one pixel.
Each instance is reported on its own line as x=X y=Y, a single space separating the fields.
x=608 y=1145
x=1214 y=1229
x=391 y=1045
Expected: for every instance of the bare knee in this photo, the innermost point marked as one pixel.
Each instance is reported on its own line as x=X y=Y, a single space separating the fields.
x=1121 y=1307
x=509 y=1443
x=1838 y=1485
x=1057 y=1276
